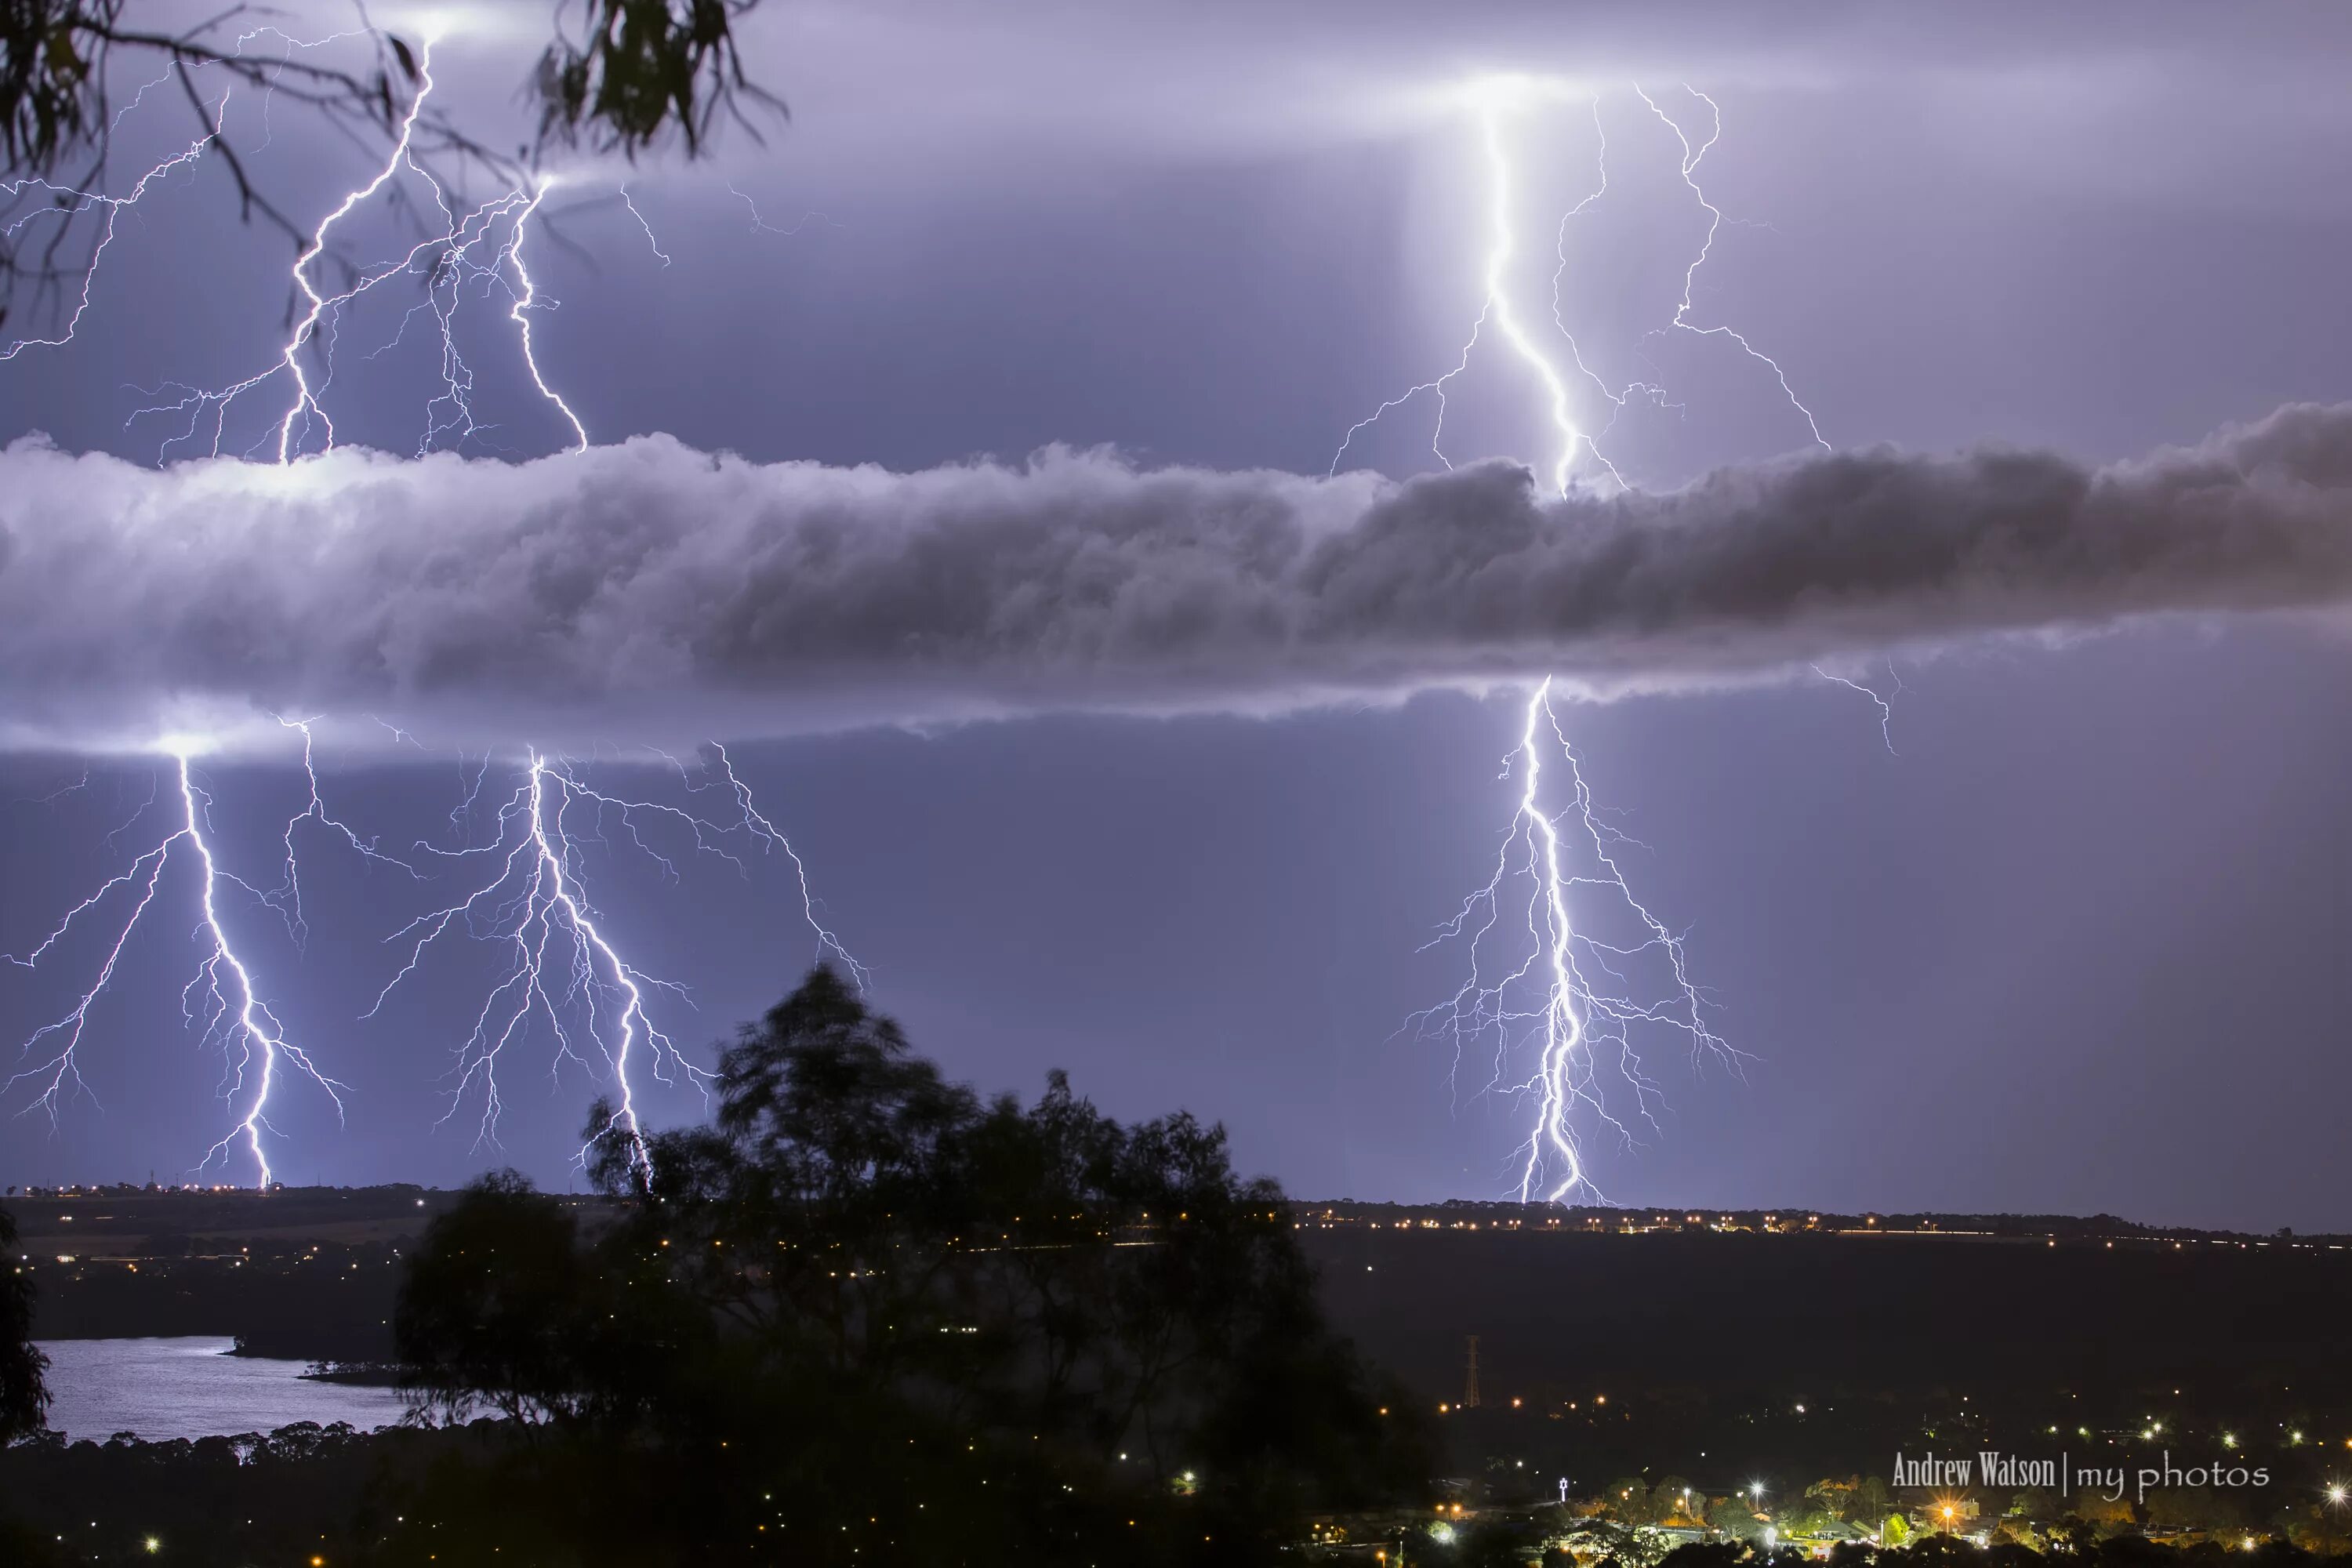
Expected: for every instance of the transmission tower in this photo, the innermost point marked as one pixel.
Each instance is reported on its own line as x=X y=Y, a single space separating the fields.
x=1470 y=1377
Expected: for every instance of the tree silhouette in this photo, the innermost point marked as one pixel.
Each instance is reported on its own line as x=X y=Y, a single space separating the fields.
x=617 y=75
x=875 y=1313
x=24 y=1399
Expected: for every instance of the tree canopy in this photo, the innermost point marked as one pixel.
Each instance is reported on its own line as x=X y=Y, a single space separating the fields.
x=24 y=1399
x=616 y=77
x=864 y=1311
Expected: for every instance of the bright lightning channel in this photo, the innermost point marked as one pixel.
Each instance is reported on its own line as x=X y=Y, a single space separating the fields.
x=561 y=959
x=221 y=997
x=1582 y=1001
x=1885 y=709
x=1563 y=993
x=562 y=966
x=1690 y=162
x=65 y=205
x=447 y=260
x=1490 y=100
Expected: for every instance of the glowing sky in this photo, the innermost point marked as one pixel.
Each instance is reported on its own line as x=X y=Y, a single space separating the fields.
x=2070 y=948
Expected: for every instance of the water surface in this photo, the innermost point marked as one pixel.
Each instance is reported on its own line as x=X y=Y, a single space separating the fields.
x=185 y=1387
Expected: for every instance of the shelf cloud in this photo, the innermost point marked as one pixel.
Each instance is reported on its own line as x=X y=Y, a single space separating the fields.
x=647 y=592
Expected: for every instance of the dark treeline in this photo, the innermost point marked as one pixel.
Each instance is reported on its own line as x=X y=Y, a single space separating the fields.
x=864 y=1316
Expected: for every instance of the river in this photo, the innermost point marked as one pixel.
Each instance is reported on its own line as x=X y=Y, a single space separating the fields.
x=162 y=1389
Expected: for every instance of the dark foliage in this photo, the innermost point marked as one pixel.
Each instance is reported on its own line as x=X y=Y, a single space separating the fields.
x=24 y=1401
x=867 y=1314
x=637 y=69
x=619 y=75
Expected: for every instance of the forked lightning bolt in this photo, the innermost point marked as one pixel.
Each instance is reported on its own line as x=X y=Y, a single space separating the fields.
x=562 y=968
x=1691 y=159
x=448 y=260
x=1561 y=994
x=1490 y=101
x=564 y=963
x=221 y=998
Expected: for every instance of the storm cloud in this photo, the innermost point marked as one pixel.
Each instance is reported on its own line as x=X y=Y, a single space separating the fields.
x=649 y=592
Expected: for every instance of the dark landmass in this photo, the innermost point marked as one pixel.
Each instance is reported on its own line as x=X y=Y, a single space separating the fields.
x=1731 y=1308
x=1732 y=1348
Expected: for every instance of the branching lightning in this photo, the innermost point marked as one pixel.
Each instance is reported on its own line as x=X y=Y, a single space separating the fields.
x=448 y=261
x=762 y=226
x=1571 y=1000
x=561 y=967
x=66 y=203
x=221 y=1000
x=627 y=201
x=1495 y=306
x=564 y=964
x=1563 y=993
x=1691 y=159
x=1490 y=100
x=1885 y=709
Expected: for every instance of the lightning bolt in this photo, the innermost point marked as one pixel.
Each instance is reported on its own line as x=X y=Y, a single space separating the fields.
x=1885 y=709
x=447 y=260
x=561 y=967
x=563 y=964
x=1492 y=98
x=1563 y=992
x=1564 y=996
x=1691 y=159
x=762 y=226
x=287 y=898
x=66 y=203
x=221 y=999
x=650 y=239
x=526 y=302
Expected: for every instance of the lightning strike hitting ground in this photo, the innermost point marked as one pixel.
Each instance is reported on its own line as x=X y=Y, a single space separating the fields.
x=563 y=965
x=1561 y=994
x=221 y=999
x=562 y=968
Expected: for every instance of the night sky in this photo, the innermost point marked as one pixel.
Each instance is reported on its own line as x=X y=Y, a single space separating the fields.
x=2074 y=943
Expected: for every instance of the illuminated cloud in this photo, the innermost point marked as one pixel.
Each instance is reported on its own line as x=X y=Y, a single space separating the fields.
x=651 y=593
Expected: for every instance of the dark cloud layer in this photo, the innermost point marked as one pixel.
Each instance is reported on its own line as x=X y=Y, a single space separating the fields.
x=649 y=592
